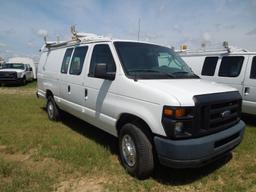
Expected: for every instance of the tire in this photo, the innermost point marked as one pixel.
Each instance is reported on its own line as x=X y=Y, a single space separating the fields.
x=24 y=80
x=52 y=109
x=140 y=165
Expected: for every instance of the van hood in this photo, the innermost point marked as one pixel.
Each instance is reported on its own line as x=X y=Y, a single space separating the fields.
x=185 y=89
x=12 y=70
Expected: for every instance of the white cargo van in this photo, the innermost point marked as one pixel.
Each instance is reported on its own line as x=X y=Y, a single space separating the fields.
x=145 y=95
x=233 y=67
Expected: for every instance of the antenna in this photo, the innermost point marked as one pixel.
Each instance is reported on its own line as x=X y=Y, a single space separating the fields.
x=139 y=29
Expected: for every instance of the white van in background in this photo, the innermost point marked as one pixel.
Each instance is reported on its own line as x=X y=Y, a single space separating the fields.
x=233 y=67
x=25 y=60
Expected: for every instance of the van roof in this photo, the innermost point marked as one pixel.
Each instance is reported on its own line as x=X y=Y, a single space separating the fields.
x=229 y=51
x=49 y=45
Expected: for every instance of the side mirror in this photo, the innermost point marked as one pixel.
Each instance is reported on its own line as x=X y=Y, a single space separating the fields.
x=30 y=68
x=101 y=72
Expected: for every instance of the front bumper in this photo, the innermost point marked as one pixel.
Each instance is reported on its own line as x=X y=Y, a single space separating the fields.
x=197 y=152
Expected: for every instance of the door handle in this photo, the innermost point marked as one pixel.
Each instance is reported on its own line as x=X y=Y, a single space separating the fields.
x=246 y=91
x=68 y=88
x=85 y=94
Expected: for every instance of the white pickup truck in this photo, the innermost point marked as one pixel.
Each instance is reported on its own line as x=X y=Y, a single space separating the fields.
x=15 y=73
x=145 y=95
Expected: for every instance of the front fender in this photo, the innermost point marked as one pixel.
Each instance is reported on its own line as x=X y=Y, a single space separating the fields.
x=149 y=112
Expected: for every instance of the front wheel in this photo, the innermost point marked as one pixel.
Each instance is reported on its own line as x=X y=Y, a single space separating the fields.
x=52 y=109
x=24 y=80
x=136 y=153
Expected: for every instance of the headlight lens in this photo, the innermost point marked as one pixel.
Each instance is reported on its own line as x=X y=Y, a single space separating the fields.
x=178 y=127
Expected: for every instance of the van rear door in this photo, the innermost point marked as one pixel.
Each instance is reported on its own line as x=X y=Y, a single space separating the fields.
x=249 y=89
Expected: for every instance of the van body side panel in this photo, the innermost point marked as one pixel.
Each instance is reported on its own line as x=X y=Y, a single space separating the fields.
x=40 y=72
x=236 y=82
x=249 y=89
x=242 y=82
x=48 y=71
x=196 y=62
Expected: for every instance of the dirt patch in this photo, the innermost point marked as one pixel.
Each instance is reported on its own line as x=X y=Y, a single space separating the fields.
x=16 y=91
x=16 y=157
x=81 y=185
x=3 y=148
x=10 y=155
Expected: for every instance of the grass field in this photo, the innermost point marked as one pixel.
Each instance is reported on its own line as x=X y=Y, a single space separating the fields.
x=39 y=155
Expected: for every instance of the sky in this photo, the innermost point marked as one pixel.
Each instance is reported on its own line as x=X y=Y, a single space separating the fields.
x=169 y=22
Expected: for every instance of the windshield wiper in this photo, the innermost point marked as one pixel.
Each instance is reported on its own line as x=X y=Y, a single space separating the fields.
x=144 y=70
x=180 y=72
x=154 y=71
x=185 y=72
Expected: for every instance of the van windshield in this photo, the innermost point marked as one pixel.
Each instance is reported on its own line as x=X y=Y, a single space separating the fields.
x=148 y=61
x=13 y=66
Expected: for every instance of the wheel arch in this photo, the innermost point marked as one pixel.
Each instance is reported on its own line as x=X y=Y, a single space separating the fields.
x=131 y=118
x=48 y=93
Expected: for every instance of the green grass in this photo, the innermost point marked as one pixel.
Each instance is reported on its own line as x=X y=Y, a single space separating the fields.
x=38 y=155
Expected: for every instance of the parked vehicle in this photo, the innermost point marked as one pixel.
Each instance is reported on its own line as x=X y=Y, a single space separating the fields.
x=13 y=73
x=145 y=95
x=233 y=67
x=25 y=60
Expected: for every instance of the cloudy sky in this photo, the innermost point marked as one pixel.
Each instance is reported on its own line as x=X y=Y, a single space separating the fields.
x=169 y=22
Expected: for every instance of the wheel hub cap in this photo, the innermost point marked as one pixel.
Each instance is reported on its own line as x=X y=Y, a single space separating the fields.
x=50 y=110
x=129 y=150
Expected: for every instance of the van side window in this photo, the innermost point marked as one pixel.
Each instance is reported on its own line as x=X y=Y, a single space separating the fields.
x=77 y=62
x=253 y=69
x=231 y=66
x=66 y=59
x=209 y=66
x=102 y=54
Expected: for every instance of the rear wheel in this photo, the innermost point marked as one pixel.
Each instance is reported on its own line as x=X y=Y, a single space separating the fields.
x=136 y=152
x=52 y=109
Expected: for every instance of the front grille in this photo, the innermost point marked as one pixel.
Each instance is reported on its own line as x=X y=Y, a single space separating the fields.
x=216 y=112
x=224 y=115
x=8 y=75
x=221 y=115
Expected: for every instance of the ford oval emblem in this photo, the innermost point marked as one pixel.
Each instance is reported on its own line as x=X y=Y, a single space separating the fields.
x=225 y=114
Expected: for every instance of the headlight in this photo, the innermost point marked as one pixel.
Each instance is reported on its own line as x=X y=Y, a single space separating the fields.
x=178 y=121
x=19 y=75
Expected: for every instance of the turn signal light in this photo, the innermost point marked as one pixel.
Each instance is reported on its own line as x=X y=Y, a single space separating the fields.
x=168 y=112
x=178 y=112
